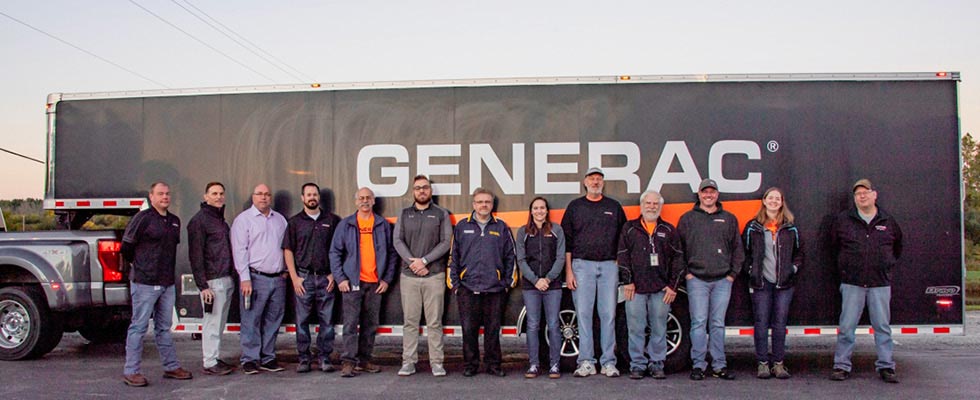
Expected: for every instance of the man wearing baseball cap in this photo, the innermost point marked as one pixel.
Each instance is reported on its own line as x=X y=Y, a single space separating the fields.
x=592 y=224
x=868 y=242
x=713 y=256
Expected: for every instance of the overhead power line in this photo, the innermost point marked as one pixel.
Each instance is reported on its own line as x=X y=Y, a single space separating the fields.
x=21 y=155
x=238 y=42
x=202 y=42
x=103 y=59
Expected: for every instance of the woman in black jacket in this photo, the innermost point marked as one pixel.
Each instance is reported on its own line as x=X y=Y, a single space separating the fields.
x=540 y=252
x=773 y=257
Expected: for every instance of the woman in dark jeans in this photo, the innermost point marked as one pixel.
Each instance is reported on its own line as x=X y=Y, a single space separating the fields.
x=540 y=252
x=773 y=257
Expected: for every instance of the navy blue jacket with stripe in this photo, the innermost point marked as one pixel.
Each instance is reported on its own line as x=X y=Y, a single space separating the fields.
x=482 y=260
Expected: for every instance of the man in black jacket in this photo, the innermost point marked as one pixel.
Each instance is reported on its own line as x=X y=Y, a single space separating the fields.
x=209 y=251
x=868 y=242
x=713 y=256
x=650 y=265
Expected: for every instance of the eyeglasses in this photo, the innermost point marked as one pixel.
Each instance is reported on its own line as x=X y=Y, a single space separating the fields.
x=426 y=187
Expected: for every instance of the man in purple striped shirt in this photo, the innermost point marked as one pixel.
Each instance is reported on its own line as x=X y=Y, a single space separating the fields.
x=256 y=245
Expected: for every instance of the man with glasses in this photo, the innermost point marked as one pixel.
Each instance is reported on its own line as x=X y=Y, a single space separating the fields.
x=256 y=243
x=422 y=238
x=868 y=242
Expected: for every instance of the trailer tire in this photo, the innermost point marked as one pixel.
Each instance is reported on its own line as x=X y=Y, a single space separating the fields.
x=28 y=328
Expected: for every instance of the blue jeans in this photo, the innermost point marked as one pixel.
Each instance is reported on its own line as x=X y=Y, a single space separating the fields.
x=316 y=306
x=260 y=323
x=533 y=301
x=647 y=310
x=771 y=309
x=708 y=303
x=596 y=290
x=156 y=302
x=853 y=299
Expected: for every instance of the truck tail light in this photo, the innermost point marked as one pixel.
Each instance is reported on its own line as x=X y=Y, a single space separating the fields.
x=944 y=303
x=110 y=256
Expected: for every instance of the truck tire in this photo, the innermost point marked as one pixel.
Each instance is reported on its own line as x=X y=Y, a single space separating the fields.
x=105 y=331
x=678 y=336
x=28 y=328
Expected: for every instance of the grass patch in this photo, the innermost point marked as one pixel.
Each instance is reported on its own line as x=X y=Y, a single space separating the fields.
x=973 y=307
x=972 y=276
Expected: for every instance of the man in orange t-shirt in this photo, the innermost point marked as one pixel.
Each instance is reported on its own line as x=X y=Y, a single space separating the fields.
x=363 y=261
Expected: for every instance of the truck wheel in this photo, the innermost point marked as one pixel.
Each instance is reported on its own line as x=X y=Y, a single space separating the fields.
x=28 y=329
x=111 y=331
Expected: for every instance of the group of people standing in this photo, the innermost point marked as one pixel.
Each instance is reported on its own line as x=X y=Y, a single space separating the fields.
x=592 y=251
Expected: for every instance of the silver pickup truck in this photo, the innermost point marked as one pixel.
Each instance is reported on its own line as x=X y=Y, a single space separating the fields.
x=60 y=281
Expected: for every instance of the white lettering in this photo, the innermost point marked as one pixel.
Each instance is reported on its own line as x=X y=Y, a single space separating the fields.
x=425 y=167
x=482 y=153
x=688 y=174
x=716 y=156
x=368 y=153
x=542 y=168
x=625 y=173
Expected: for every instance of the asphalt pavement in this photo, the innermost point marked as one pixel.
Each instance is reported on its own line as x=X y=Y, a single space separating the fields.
x=945 y=367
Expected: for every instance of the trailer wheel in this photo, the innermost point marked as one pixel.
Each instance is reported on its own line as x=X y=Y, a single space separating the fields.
x=28 y=329
x=678 y=336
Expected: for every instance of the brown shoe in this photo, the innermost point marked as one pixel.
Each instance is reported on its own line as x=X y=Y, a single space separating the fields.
x=179 y=373
x=368 y=367
x=347 y=370
x=137 y=380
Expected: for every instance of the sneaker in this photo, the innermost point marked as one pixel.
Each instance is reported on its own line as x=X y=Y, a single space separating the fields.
x=657 y=373
x=532 y=372
x=763 y=371
x=407 y=369
x=637 y=373
x=226 y=365
x=219 y=368
x=723 y=374
x=496 y=371
x=780 y=371
x=438 y=370
x=137 y=380
x=839 y=375
x=326 y=366
x=303 y=367
x=469 y=371
x=250 y=368
x=271 y=366
x=585 y=368
x=610 y=370
x=367 y=367
x=179 y=373
x=888 y=375
x=697 y=374
x=347 y=370
x=554 y=372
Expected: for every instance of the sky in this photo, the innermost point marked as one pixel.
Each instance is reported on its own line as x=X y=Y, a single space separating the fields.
x=368 y=40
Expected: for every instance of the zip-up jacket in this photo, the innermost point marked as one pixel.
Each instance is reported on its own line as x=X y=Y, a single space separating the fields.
x=209 y=245
x=866 y=252
x=712 y=243
x=541 y=256
x=345 y=251
x=482 y=260
x=425 y=234
x=789 y=254
x=638 y=251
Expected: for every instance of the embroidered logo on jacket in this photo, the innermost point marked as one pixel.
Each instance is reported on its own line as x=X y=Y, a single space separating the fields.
x=881 y=228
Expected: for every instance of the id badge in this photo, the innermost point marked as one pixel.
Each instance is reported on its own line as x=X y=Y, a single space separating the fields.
x=654 y=260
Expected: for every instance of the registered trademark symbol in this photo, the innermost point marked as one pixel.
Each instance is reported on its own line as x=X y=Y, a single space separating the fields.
x=772 y=146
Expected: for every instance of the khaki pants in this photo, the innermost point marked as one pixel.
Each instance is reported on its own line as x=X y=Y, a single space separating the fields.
x=420 y=294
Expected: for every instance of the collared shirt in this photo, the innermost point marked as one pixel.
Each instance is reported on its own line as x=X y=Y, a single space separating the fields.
x=154 y=238
x=256 y=242
x=309 y=240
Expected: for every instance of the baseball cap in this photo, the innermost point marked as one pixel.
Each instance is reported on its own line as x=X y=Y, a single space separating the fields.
x=595 y=170
x=862 y=182
x=708 y=183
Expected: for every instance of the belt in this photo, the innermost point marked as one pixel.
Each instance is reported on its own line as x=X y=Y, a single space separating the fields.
x=273 y=275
